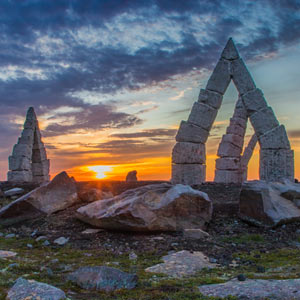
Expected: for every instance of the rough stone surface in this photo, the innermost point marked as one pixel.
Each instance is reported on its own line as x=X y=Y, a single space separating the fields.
x=257 y=289
x=188 y=153
x=188 y=173
x=233 y=139
x=19 y=176
x=228 y=176
x=28 y=162
x=103 y=278
x=56 y=195
x=131 y=176
x=254 y=101
x=235 y=129
x=93 y=194
x=240 y=110
x=202 y=115
x=228 y=163
x=230 y=52
x=195 y=234
x=157 y=207
x=276 y=164
x=227 y=149
x=270 y=204
x=247 y=154
x=61 y=241
x=275 y=139
x=14 y=192
x=263 y=121
x=181 y=264
x=19 y=163
x=220 y=78
x=7 y=254
x=189 y=132
x=31 y=289
x=210 y=98
x=241 y=77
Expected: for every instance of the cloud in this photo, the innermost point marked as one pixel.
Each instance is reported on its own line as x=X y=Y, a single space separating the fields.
x=92 y=117
x=147 y=133
x=294 y=133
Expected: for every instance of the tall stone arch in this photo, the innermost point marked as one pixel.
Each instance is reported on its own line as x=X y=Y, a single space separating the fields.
x=188 y=156
x=28 y=162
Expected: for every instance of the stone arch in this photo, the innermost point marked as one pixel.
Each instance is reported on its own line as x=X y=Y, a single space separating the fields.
x=188 y=156
x=28 y=162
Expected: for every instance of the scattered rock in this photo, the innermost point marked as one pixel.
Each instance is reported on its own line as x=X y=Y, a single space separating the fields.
x=91 y=231
x=31 y=289
x=61 y=241
x=132 y=256
x=56 y=195
x=41 y=238
x=103 y=278
x=131 y=176
x=182 y=263
x=29 y=246
x=7 y=254
x=156 y=207
x=93 y=195
x=195 y=234
x=270 y=203
x=14 y=192
x=254 y=289
x=46 y=243
x=2 y=195
x=10 y=235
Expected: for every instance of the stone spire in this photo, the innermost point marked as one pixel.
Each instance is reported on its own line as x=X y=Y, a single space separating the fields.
x=28 y=162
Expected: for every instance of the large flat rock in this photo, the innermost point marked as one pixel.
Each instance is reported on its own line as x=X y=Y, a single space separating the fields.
x=56 y=195
x=255 y=289
x=31 y=289
x=181 y=264
x=155 y=207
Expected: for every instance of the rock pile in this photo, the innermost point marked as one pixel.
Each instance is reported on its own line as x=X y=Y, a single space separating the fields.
x=28 y=162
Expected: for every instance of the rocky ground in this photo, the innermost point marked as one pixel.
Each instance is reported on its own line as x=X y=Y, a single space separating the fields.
x=237 y=250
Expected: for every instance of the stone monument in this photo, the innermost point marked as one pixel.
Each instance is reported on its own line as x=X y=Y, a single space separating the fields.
x=188 y=156
x=28 y=162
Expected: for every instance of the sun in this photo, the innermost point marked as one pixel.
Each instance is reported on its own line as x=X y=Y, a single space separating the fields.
x=100 y=171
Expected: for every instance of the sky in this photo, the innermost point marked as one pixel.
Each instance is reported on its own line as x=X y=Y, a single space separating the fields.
x=110 y=81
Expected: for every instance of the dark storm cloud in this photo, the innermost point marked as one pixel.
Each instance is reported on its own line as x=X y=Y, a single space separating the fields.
x=94 y=117
x=146 y=133
x=69 y=66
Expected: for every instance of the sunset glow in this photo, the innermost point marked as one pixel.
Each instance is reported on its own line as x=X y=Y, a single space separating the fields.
x=110 y=83
x=101 y=171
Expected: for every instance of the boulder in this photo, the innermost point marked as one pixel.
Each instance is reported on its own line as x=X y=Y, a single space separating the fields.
x=254 y=289
x=56 y=195
x=94 y=194
x=103 y=278
x=31 y=289
x=131 y=176
x=156 y=207
x=181 y=264
x=270 y=203
x=14 y=192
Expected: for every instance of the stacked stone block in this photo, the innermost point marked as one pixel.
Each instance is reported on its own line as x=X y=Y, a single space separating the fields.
x=228 y=165
x=28 y=162
x=276 y=156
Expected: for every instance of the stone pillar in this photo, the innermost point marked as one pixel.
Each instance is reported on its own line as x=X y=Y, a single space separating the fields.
x=28 y=162
x=228 y=165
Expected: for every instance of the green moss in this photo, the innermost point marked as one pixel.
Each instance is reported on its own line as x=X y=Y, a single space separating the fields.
x=244 y=239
